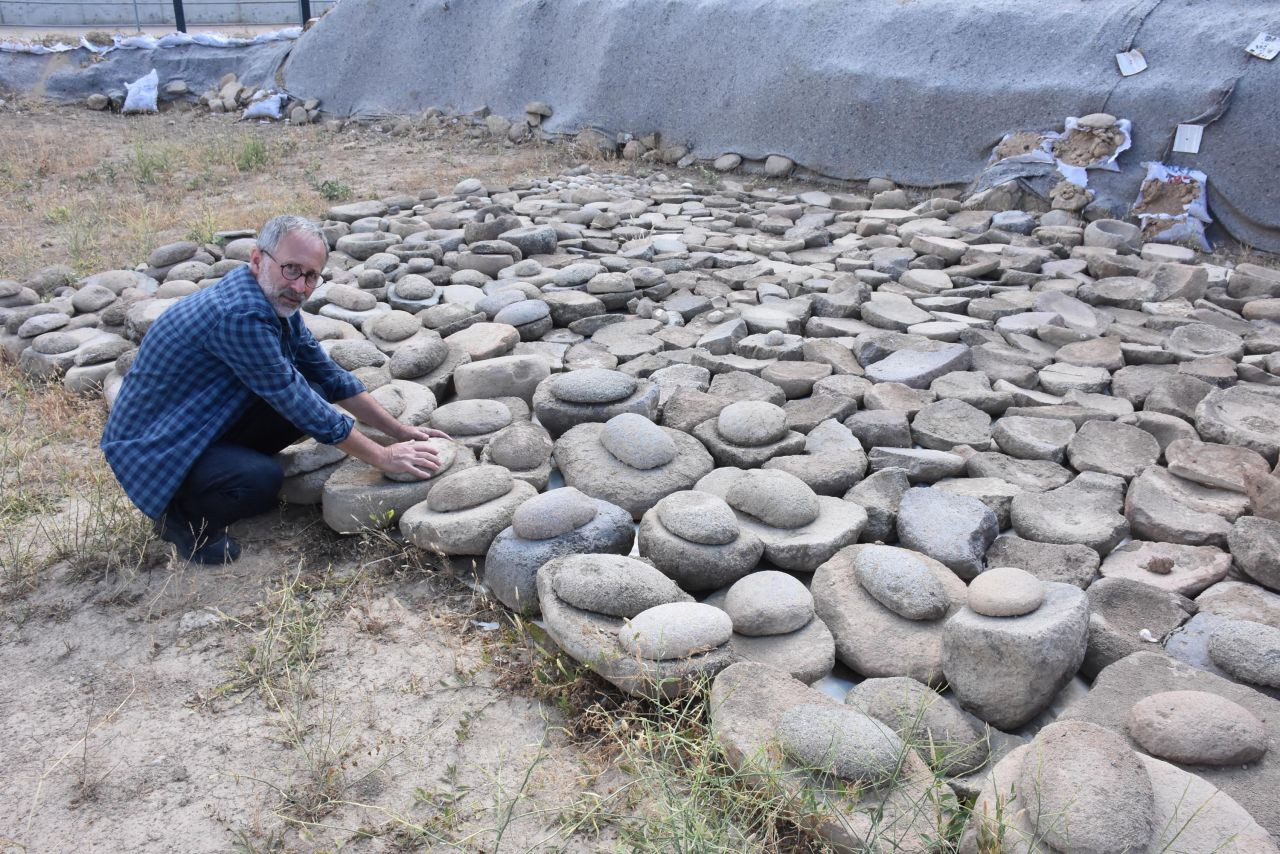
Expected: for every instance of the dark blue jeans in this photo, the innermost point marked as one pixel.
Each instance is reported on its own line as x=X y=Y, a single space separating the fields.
x=237 y=476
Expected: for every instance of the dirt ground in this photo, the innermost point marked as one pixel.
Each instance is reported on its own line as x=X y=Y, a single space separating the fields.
x=320 y=694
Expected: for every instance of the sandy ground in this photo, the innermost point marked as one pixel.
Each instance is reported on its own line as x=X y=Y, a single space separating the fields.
x=320 y=694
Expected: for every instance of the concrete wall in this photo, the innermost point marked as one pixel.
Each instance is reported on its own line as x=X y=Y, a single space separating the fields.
x=126 y=14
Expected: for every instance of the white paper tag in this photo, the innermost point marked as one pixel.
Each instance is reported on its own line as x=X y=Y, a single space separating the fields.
x=1265 y=46
x=1131 y=62
x=1187 y=139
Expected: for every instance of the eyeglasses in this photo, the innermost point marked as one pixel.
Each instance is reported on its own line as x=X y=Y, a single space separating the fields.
x=293 y=272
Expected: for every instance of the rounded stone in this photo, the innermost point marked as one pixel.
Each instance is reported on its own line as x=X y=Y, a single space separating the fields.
x=520 y=447
x=418 y=357
x=901 y=583
x=1249 y=651
x=777 y=498
x=614 y=585
x=839 y=740
x=1197 y=728
x=1087 y=790
x=471 y=417
x=522 y=312
x=1005 y=591
x=469 y=488
x=952 y=739
x=637 y=441
x=768 y=603
x=392 y=325
x=445 y=450
x=752 y=423
x=552 y=514
x=55 y=343
x=675 y=630
x=415 y=287
x=592 y=385
x=698 y=517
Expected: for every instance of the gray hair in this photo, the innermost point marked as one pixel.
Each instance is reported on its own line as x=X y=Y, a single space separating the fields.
x=277 y=227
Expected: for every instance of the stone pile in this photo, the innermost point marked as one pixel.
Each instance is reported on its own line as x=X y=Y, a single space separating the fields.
x=973 y=457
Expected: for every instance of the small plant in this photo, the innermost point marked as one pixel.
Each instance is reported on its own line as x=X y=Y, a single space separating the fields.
x=151 y=164
x=333 y=190
x=252 y=154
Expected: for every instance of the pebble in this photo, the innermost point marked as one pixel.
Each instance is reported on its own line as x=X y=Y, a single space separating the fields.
x=752 y=423
x=637 y=441
x=776 y=498
x=468 y=488
x=840 y=740
x=1248 y=651
x=901 y=583
x=592 y=385
x=614 y=585
x=698 y=517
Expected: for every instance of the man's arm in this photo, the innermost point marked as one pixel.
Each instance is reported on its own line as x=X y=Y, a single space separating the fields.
x=408 y=457
x=366 y=409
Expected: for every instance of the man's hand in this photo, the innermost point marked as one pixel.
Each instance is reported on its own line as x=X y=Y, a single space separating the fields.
x=413 y=457
x=409 y=433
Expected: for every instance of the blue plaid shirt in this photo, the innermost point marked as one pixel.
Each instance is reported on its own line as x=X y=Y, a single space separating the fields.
x=200 y=366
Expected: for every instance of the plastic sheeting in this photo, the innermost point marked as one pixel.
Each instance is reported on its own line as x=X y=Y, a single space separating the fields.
x=146 y=42
x=916 y=91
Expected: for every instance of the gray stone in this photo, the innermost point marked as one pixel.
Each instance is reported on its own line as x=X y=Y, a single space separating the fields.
x=921 y=466
x=1005 y=591
x=586 y=463
x=504 y=376
x=1027 y=475
x=553 y=514
x=511 y=564
x=1006 y=670
x=1211 y=464
x=467 y=530
x=1033 y=438
x=768 y=603
x=872 y=639
x=637 y=441
x=840 y=740
x=614 y=585
x=520 y=447
x=1181 y=569
x=1248 y=651
x=675 y=630
x=918 y=369
x=954 y=529
x=1091 y=793
x=1255 y=545
x=776 y=498
x=949 y=737
x=1069 y=515
x=469 y=488
x=752 y=423
x=807 y=654
x=1120 y=611
x=471 y=417
x=1197 y=728
x=879 y=494
x=1160 y=506
x=694 y=565
x=944 y=424
x=1241 y=416
x=557 y=415
x=900 y=582
x=1112 y=448
x=698 y=517
x=1238 y=600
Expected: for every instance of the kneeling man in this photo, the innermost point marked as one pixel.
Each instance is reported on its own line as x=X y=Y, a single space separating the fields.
x=223 y=381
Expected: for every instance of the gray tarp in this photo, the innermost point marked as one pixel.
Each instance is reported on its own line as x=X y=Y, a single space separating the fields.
x=914 y=90
x=75 y=74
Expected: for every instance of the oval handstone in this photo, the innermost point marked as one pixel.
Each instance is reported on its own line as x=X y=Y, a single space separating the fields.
x=839 y=740
x=1005 y=591
x=520 y=447
x=637 y=441
x=592 y=385
x=522 y=312
x=469 y=488
x=471 y=417
x=552 y=514
x=1197 y=728
x=752 y=423
x=415 y=287
x=1088 y=790
x=768 y=603
x=614 y=585
x=1247 y=650
x=777 y=498
x=55 y=343
x=393 y=325
x=675 y=630
x=418 y=357
x=901 y=583
x=698 y=517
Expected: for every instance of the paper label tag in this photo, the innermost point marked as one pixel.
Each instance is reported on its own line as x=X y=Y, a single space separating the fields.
x=1187 y=139
x=1265 y=46
x=1131 y=62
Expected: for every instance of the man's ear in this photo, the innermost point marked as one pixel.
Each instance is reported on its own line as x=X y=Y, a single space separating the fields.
x=255 y=261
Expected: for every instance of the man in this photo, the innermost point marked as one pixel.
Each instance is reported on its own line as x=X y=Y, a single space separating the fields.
x=223 y=381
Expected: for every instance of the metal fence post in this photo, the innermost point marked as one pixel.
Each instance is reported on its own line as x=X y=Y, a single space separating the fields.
x=305 y=6
x=179 y=19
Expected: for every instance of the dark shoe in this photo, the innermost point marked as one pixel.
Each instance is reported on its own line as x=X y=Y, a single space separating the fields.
x=205 y=547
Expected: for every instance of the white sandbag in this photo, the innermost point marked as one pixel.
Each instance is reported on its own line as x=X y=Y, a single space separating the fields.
x=1173 y=206
x=142 y=94
x=267 y=107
